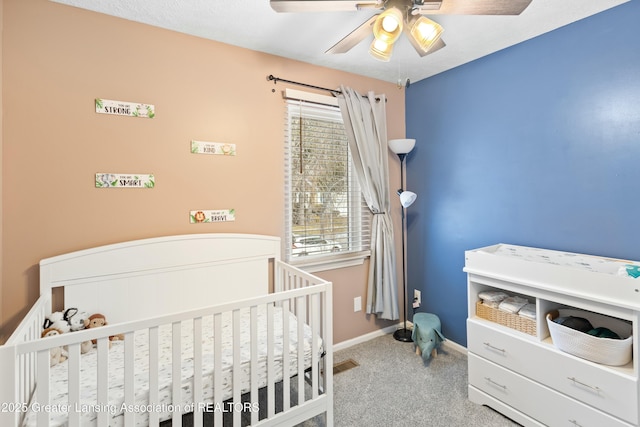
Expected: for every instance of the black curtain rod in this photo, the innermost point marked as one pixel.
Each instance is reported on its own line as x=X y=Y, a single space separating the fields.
x=275 y=80
x=278 y=79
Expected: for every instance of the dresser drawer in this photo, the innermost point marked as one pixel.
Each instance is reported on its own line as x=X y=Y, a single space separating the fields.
x=596 y=385
x=535 y=400
x=499 y=346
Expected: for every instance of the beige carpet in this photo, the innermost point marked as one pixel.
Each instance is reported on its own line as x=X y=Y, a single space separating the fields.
x=392 y=387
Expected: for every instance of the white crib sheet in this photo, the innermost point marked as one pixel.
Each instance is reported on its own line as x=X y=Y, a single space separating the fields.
x=89 y=412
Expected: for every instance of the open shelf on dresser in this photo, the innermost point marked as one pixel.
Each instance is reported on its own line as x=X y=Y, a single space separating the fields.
x=593 y=394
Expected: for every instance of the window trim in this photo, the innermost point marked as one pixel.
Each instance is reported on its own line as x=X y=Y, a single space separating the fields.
x=325 y=261
x=331 y=262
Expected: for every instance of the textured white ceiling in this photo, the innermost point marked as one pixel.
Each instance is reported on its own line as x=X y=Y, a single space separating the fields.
x=305 y=37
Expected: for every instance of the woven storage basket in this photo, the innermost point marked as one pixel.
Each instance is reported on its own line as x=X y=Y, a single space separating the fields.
x=510 y=320
x=606 y=351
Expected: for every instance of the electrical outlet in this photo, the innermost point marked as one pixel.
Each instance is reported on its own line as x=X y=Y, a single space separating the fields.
x=417 y=298
x=357 y=304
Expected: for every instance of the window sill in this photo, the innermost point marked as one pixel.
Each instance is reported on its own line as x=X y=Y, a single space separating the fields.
x=330 y=262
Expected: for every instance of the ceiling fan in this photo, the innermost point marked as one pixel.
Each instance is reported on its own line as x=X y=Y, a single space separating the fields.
x=400 y=16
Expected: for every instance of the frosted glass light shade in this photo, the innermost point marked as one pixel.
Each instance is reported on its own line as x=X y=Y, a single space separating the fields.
x=426 y=32
x=401 y=146
x=381 y=50
x=407 y=198
x=388 y=26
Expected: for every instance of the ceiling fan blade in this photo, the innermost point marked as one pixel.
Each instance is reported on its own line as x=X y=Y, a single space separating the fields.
x=323 y=5
x=354 y=37
x=439 y=44
x=475 y=7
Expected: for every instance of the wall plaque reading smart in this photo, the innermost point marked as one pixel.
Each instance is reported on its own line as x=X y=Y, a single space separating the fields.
x=119 y=180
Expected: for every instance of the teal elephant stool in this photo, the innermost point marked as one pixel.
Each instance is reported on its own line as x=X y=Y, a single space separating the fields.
x=426 y=334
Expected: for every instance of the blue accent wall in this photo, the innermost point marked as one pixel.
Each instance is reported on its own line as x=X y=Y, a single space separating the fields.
x=536 y=145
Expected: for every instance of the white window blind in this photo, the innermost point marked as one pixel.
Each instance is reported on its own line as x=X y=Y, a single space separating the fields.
x=326 y=216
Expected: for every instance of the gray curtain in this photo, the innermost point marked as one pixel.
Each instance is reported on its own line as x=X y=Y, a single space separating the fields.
x=365 y=123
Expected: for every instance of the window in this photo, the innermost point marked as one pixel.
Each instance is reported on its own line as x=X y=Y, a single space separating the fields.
x=327 y=219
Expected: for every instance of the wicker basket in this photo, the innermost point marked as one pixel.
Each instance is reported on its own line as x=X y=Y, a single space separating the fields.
x=606 y=351
x=510 y=320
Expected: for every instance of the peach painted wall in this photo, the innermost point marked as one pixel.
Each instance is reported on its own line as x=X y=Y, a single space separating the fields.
x=58 y=59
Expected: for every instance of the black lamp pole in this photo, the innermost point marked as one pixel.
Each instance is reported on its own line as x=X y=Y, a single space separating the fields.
x=403 y=334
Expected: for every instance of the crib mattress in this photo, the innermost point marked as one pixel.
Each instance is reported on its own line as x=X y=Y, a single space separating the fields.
x=89 y=409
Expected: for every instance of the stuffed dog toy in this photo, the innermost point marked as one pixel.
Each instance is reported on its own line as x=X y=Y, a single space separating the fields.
x=58 y=354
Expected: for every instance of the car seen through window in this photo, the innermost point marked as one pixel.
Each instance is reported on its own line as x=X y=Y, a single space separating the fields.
x=313 y=245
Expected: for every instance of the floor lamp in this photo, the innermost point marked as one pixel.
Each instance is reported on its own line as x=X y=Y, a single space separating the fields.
x=402 y=147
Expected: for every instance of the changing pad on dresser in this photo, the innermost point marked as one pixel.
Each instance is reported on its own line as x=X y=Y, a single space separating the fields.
x=566 y=259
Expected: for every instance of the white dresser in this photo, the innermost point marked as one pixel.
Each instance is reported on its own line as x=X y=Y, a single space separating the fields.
x=522 y=374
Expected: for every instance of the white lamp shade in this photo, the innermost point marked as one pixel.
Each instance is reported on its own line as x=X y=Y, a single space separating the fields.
x=407 y=198
x=401 y=146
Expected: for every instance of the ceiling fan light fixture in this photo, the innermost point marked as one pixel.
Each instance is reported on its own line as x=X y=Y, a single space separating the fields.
x=381 y=50
x=388 y=25
x=425 y=32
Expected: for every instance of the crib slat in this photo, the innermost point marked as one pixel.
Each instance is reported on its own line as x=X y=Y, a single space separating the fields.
x=22 y=376
x=102 y=385
x=254 y=362
x=327 y=334
x=43 y=385
x=153 y=375
x=217 y=378
x=301 y=314
x=129 y=392
x=271 y=400
x=286 y=359
x=73 y=366
x=236 y=362
x=197 y=371
x=26 y=381
x=176 y=374
x=314 y=316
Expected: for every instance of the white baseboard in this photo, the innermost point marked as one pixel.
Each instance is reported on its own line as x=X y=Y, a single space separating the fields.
x=389 y=330
x=371 y=335
x=455 y=346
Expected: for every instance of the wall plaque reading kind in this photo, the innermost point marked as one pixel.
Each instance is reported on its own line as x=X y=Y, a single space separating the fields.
x=220 y=148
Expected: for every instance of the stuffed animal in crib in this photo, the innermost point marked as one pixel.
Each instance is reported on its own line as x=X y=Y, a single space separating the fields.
x=95 y=321
x=75 y=319
x=56 y=320
x=66 y=321
x=426 y=334
x=57 y=354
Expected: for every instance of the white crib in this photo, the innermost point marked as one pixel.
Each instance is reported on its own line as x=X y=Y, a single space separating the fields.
x=220 y=312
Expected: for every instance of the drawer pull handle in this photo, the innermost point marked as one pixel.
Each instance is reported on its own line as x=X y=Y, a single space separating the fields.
x=575 y=423
x=594 y=388
x=502 y=350
x=489 y=380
